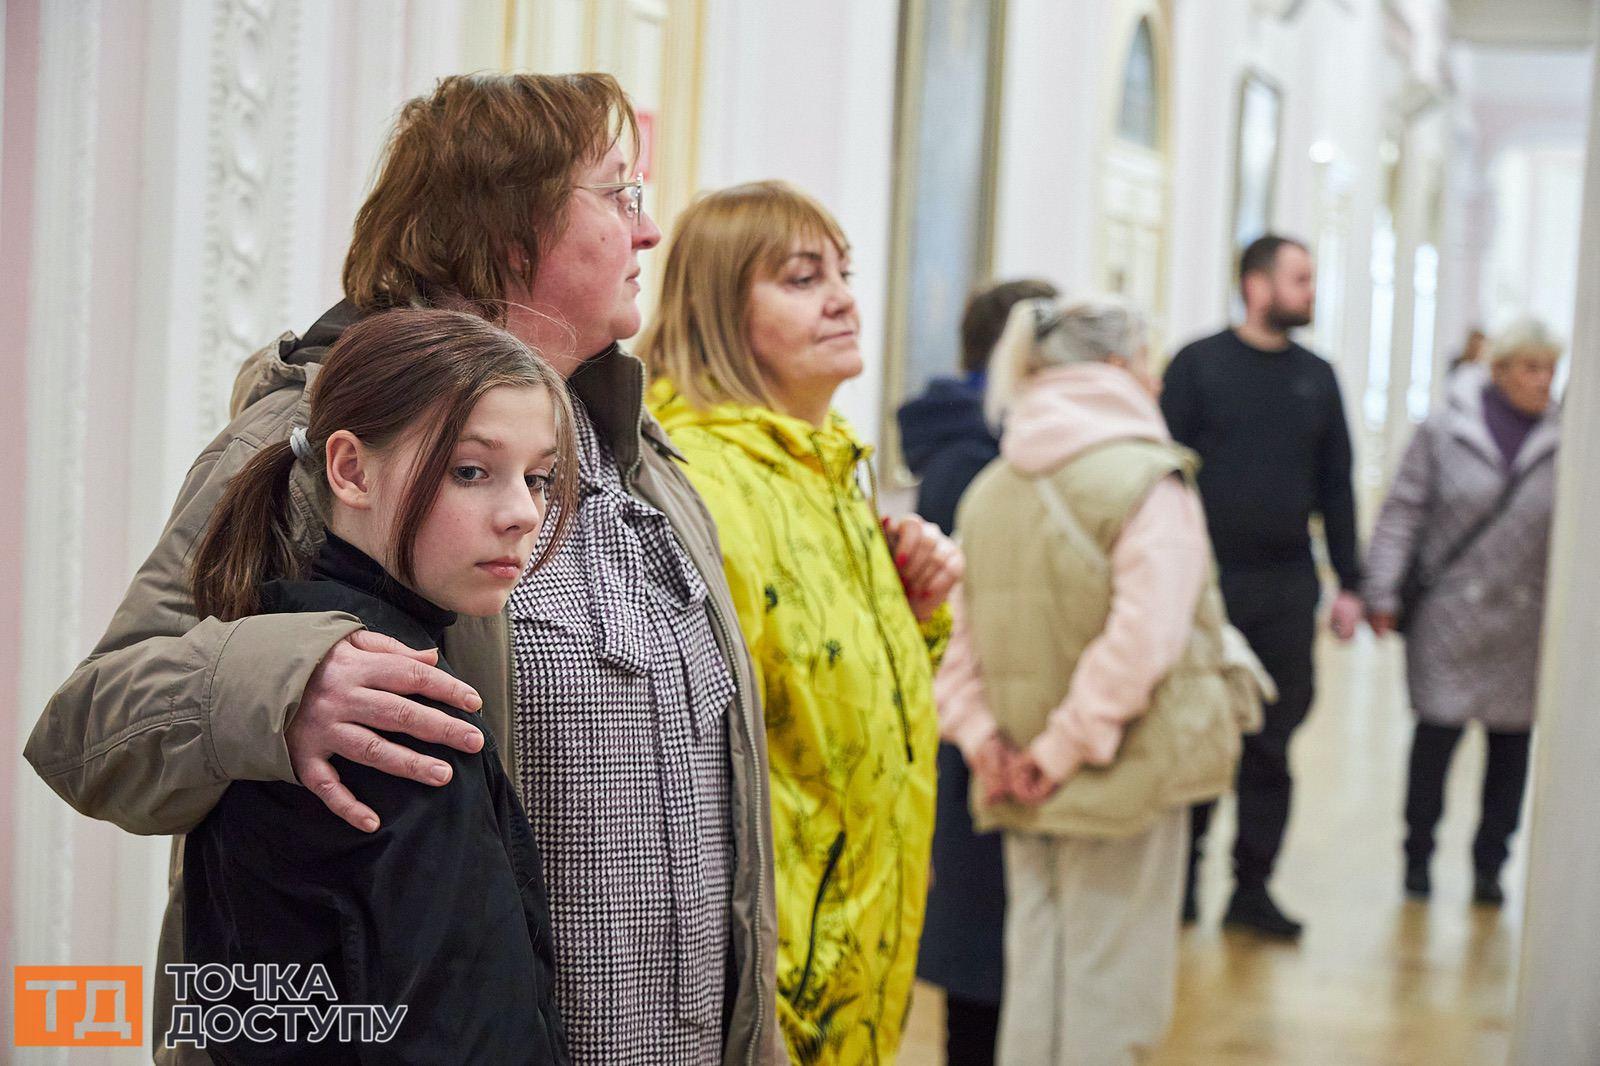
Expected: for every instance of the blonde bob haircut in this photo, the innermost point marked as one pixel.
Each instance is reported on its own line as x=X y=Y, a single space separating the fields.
x=721 y=245
x=1528 y=338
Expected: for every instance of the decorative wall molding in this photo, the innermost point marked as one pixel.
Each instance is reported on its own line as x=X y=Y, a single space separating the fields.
x=58 y=354
x=251 y=191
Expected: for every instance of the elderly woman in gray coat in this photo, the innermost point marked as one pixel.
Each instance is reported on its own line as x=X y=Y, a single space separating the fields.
x=1468 y=517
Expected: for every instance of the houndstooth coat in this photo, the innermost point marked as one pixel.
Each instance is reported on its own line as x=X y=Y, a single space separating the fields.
x=1472 y=649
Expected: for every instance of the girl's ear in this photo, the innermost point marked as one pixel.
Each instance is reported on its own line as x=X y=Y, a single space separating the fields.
x=350 y=470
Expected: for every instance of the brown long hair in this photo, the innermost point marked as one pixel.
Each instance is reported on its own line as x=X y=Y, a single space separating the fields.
x=391 y=373
x=476 y=176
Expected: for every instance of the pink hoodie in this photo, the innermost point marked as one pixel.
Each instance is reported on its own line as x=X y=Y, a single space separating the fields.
x=1159 y=566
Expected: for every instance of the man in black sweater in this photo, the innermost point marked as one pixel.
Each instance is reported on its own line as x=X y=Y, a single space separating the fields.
x=1266 y=417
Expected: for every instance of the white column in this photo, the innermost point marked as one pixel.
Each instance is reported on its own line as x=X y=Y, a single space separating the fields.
x=57 y=365
x=1560 y=972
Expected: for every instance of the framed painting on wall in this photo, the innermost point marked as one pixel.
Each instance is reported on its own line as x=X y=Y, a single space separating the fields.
x=1136 y=166
x=946 y=144
x=1255 y=163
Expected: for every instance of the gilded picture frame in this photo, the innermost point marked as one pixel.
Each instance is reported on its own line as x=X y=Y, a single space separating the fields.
x=1257 y=148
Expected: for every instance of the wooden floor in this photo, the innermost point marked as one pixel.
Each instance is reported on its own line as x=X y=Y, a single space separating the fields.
x=1377 y=979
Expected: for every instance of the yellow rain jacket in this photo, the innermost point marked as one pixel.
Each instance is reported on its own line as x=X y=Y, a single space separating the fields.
x=846 y=681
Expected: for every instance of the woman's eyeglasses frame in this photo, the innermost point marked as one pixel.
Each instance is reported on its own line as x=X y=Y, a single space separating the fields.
x=633 y=208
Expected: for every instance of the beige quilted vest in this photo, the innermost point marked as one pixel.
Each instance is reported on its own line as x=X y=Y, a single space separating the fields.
x=1038 y=590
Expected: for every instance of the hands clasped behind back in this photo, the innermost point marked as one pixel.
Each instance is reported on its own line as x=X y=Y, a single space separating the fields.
x=360 y=687
x=991 y=768
x=1005 y=773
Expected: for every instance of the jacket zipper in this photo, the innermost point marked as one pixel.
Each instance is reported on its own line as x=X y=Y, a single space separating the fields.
x=834 y=851
x=864 y=576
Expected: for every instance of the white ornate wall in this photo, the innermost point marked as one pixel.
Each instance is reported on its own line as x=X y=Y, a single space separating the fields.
x=1530 y=117
x=57 y=363
x=1352 y=73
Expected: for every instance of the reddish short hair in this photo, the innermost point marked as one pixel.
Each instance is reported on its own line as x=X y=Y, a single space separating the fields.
x=475 y=178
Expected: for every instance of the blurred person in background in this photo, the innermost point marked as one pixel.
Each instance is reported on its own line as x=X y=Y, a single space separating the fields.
x=942 y=432
x=946 y=443
x=844 y=611
x=1458 y=559
x=1086 y=682
x=1471 y=352
x=1267 y=419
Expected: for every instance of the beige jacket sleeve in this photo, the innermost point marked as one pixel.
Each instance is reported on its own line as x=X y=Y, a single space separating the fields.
x=167 y=710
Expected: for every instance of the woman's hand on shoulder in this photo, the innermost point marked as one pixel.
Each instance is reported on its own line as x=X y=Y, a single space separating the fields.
x=930 y=564
x=360 y=687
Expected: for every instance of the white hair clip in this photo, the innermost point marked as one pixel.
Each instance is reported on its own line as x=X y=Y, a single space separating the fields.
x=300 y=444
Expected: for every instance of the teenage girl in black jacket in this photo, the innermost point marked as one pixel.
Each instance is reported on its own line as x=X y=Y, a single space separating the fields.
x=438 y=440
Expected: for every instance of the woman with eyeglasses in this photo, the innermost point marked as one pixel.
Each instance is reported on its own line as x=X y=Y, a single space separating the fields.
x=756 y=331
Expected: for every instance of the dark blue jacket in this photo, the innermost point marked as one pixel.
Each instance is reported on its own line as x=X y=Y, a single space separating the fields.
x=442 y=909
x=946 y=443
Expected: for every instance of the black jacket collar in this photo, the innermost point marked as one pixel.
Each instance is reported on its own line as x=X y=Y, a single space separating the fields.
x=341 y=561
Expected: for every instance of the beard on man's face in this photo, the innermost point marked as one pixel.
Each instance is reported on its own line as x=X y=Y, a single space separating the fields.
x=1285 y=318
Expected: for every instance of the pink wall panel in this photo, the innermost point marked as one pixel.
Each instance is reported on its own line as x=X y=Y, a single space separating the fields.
x=16 y=198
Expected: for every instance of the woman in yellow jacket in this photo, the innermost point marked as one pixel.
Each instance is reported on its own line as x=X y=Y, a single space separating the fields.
x=756 y=330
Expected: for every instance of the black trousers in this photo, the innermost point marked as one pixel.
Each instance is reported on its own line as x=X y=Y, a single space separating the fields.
x=1505 y=774
x=1276 y=610
x=971 y=1029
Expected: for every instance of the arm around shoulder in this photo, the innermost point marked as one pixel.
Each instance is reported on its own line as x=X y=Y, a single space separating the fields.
x=167 y=710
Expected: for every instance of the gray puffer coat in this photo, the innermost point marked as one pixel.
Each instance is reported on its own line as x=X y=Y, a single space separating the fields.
x=1472 y=647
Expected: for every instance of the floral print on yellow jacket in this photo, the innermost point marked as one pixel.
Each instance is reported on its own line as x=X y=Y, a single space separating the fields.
x=846 y=681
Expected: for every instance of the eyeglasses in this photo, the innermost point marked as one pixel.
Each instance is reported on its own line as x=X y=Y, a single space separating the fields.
x=633 y=203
